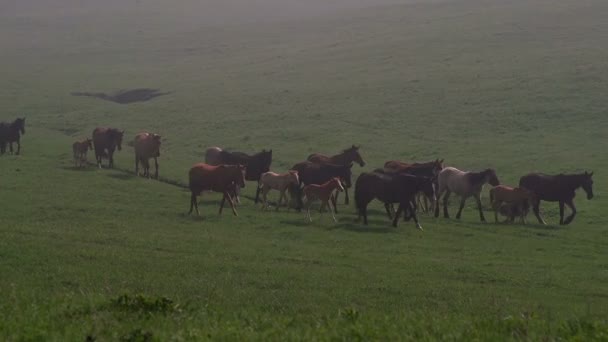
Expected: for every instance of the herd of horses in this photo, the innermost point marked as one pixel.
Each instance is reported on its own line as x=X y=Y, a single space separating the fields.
x=414 y=187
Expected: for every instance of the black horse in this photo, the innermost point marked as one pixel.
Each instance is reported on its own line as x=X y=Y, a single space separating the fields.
x=557 y=188
x=255 y=164
x=10 y=133
x=391 y=188
x=314 y=173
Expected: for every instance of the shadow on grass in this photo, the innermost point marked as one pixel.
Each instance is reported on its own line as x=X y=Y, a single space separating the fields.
x=122 y=176
x=79 y=169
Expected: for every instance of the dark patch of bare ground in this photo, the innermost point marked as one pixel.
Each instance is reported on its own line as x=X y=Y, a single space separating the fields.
x=125 y=96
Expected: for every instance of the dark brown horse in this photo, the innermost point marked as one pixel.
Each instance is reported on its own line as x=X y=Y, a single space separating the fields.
x=105 y=142
x=346 y=157
x=255 y=164
x=147 y=145
x=10 y=133
x=313 y=173
x=428 y=169
x=221 y=178
x=391 y=188
x=557 y=188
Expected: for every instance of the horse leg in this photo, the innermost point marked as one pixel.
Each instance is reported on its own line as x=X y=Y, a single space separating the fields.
x=283 y=195
x=307 y=207
x=10 y=147
x=232 y=205
x=445 y=204
x=155 y=168
x=570 y=203
x=478 y=199
x=332 y=212
x=561 y=212
x=18 y=146
x=257 y=195
x=387 y=206
x=193 y=204
x=397 y=215
x=222 y=203
x=334 y=200
x=413 y=212
x=496 y=206
x=462 y=200
x=536 y=209
x=346 y=201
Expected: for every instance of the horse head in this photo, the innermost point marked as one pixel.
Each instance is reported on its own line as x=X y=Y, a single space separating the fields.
x=19 y=124
x=437 y=166
x=427 y=186
x=156 y=141
x=294 y=178
x=353 y=154
x=117 y=138
x=587 y=184
x=491 y=177
x=337 y=183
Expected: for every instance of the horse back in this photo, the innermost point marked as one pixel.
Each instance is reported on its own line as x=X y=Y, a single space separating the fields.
x=209 y=177
x=546 y=187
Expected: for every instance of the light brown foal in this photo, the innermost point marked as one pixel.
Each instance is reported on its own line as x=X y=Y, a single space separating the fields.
x=324 y=193
x=80 y=149
x=518 y=198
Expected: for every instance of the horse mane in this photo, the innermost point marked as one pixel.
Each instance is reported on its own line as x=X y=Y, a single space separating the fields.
x=477 y=177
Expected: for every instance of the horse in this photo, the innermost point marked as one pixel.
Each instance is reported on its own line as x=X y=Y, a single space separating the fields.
x=518 y=198
x=313 y=173
x=391 y=188
x=426 y=169
x=105 y=141
x=146 y=145
x=346 y=157
x=10 y=133
x=324 y=193
x=511 y=210
x=221 y=178
x=557 y=188
x=465 y=184
x=280 y=182
x=255 y=164
x=80 y=149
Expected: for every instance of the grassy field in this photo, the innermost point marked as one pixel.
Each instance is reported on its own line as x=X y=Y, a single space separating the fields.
x=102 y=254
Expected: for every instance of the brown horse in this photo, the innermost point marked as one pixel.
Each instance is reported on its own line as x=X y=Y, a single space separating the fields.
x=518 y=198
x=322 y=192
x=147 y=145
x=105 y=141
x=222 y=178
x=391 y=188
x=557 y=188
x=10 y=133
x=256 y=164
x=80 y=149
x=346 y=157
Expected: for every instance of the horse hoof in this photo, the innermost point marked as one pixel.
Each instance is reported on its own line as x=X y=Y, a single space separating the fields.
x=419 y=227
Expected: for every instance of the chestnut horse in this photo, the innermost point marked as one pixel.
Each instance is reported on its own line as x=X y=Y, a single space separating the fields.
x=313 y=173
x=10 y=133
x=391 y=188
x=256 y=164
x=147 y=145
x=558 y=188
x=80 y=149
x=105 y=142
x=465 y=184
x=324 y=193
x=518 y=198
x=346 y=157
x=222 y=178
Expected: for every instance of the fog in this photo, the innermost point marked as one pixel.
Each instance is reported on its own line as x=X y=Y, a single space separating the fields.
x=212 y=12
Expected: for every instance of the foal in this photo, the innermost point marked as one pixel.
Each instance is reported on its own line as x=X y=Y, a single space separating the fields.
x=80 y=149
x=324 y=193
x=465 y=184
x=518 y=198
x=276 y=181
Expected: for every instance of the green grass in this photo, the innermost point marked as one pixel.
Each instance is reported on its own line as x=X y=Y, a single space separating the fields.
x=517 y=86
